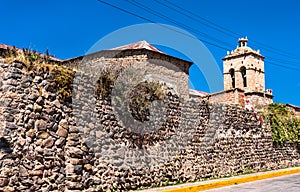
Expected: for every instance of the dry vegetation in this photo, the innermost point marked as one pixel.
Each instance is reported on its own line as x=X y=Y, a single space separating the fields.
x=60 y=77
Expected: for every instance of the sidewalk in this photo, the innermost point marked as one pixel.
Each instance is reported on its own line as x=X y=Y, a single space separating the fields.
x=205 y=185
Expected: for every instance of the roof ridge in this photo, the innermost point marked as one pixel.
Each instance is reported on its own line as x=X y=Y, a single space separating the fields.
x=138 y=45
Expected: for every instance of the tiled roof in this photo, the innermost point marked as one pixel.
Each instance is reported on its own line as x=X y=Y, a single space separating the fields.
x=293 y=106
x=139 y=45
x=197 y=93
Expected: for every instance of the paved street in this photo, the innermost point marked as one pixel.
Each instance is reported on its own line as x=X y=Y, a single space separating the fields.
x=290 y=183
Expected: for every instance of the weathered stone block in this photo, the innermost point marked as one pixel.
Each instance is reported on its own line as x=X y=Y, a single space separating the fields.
x=62 y=132
x=40 y=125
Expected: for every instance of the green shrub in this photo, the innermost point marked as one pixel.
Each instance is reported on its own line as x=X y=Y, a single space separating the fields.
x=285 y=126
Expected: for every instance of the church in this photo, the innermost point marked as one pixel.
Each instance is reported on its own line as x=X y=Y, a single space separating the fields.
x=244 y=79
x=243 y=72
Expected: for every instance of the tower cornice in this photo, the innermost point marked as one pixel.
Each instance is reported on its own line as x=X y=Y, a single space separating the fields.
x=227 y=57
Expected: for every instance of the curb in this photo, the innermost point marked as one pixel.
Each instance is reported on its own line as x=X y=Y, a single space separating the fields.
x=235 y=180
x=206 y=185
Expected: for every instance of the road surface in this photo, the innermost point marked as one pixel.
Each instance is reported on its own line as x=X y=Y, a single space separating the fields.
x=289 y=183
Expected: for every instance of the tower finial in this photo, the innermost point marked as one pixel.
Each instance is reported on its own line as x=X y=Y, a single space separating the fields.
x=243 y=41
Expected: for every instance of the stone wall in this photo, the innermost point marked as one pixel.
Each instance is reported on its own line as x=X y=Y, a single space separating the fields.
x=148 y=64
x=43 y=148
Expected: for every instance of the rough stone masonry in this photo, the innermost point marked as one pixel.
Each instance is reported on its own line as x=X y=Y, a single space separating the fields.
x=42 y=148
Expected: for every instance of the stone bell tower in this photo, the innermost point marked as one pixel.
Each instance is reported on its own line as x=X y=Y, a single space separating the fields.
x=243 y=69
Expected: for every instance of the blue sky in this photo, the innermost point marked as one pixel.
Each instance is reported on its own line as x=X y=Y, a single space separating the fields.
x=70 y=28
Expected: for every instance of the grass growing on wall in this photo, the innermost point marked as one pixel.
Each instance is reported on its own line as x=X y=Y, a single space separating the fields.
x=60 y=77
x=284 y=124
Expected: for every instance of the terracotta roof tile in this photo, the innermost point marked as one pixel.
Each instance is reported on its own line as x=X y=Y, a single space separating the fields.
x=293 y=106
x=197 y=93
x=138 y=45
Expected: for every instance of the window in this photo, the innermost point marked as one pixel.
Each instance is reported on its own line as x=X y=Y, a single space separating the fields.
x=244 y=76
x=231 y=71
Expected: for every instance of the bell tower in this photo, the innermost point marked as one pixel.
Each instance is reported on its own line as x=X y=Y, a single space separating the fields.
x=243 y=69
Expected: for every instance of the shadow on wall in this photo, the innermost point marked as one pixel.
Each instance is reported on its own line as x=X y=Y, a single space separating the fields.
x=5 y=145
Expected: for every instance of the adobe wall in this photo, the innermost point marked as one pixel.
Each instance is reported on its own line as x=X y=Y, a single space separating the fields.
x=257 y=100
x=233 y=96
x=42 y=148
x=294 y=109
